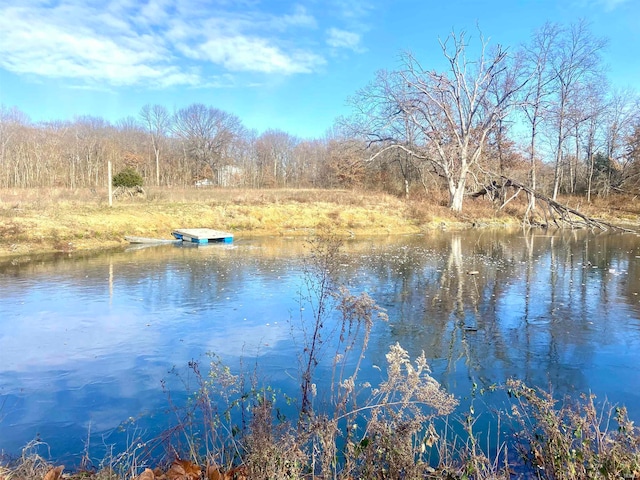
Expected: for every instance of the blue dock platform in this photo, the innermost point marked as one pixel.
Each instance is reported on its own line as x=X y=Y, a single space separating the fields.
x=202 y=235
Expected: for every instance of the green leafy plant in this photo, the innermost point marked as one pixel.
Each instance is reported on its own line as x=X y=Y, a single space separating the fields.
x=127 y=178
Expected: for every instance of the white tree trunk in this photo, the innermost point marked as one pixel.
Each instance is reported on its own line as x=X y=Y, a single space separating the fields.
x=456 y=193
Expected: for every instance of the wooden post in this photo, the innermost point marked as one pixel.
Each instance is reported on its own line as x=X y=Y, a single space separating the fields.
x=109 y=179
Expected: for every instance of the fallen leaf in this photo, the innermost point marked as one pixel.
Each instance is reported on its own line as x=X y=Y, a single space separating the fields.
x=147 y=475
x=176 y=472
x=214 y=474
x=238 y=473
x=184 y=470
x=54 y=473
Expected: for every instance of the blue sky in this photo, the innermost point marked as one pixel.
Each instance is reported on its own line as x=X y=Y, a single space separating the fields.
x=275 y=64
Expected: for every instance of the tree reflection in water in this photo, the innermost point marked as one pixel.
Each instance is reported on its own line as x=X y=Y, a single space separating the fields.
x=86 y=340
x=557 y=309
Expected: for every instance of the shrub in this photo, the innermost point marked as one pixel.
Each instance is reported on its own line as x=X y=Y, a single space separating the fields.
x=127 y=178
x=573 y=440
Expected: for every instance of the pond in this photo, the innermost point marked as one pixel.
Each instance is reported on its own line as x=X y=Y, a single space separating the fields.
x=87 y=340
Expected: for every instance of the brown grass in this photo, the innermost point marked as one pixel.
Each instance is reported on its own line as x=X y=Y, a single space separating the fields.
x=64 y=220
x=48 y=220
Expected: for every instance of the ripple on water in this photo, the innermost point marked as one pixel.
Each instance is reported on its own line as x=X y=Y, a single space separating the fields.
x=86 y=342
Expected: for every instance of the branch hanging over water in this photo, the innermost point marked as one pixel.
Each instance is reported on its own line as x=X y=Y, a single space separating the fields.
x=560 y=215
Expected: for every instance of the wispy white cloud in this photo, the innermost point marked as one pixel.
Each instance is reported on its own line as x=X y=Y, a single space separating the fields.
x=242 y=53
x=299 y=18
x=157 y=43
x=353 y=10
x=338 y=38
x=353 y=15
x=32 y=43
x=76 y=42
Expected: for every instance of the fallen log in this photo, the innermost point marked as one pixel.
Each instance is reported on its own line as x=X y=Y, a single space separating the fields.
x=559 y=214
x=492 y=189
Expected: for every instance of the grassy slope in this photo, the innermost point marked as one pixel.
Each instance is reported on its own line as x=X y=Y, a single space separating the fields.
x=33 y=221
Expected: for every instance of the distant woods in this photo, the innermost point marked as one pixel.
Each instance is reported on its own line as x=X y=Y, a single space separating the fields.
x=541 y=113
x=198 y=145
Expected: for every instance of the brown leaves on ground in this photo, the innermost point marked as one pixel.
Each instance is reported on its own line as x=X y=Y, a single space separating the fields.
x=54 y=474
x=238 y=473
x=183 y=470
x=214 y=474
x=148 y=474
x=187 y=470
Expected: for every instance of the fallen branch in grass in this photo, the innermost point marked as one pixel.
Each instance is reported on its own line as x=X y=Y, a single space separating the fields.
x=554 y=212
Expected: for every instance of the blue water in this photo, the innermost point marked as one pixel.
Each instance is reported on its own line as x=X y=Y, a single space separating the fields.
x=86 y=340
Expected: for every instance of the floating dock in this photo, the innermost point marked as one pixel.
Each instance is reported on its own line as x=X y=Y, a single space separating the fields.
x=202 y=235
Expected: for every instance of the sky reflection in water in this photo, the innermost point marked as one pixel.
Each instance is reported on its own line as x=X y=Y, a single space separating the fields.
x=86 y=341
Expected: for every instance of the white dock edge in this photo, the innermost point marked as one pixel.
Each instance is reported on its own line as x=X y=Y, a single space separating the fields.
x=202 y=235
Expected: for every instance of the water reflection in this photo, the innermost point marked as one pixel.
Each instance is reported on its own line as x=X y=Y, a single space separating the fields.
x=85 y=341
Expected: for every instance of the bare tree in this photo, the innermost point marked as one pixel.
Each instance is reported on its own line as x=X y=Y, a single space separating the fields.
x=345 y=167
x=14 y=125
x=311 y=157
x=596 y=108
x=157 y=120
x=91 y=147
x=275 y=150
x=621 y=120
x=535 y=106
x=453 y=111
x=631 y=168
x=208 y=134
x=575 y=62
x=396 y=143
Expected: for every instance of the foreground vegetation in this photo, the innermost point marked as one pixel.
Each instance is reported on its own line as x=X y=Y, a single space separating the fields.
x=408 y=428
x=64 y=220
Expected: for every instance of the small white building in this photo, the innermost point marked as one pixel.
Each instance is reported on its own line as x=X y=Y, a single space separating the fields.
x=205 y=182
x=228 y=176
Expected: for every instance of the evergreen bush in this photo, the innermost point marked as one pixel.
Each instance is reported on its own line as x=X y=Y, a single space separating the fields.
x=127 y=178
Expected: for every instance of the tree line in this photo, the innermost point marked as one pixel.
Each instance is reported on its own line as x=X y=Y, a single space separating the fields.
x=195 y=145
x=542 y=113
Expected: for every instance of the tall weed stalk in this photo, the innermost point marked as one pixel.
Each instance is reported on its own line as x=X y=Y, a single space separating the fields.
x=573 y=440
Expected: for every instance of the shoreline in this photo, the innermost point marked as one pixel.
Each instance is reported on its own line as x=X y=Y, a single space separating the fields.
x=64 y=223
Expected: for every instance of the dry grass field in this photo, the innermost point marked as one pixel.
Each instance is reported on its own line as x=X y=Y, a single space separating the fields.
x=38 y=220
